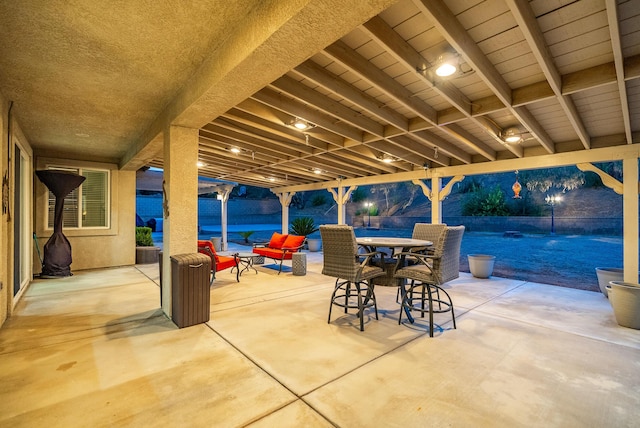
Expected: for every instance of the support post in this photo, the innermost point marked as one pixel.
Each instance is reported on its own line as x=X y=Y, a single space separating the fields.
x=180 y=188
x=630 y=215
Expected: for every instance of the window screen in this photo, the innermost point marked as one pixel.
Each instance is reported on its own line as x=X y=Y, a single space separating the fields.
x=88 y=205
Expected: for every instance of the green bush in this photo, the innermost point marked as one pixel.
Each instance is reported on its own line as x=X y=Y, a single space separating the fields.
x=358 y=195
x=483 y=203
x=303 y=226
x=143 y=237
x=318 y=200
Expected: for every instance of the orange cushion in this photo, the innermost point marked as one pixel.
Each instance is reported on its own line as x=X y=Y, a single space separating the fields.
x=273 y=254
x=224 y=262
x=208 y=244
x=277 y=239
x=293 y=241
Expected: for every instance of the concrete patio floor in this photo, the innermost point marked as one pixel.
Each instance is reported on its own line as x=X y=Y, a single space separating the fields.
x=95 y=350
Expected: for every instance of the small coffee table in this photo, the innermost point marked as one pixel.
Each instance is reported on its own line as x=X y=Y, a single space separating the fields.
x=245 y=262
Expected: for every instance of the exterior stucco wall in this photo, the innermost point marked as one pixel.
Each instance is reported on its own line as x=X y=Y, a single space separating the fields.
x=5 y=264
x=95 y=248
x=8 y=298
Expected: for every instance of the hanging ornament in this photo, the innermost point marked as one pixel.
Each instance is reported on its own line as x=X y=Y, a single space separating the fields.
x=517 y=187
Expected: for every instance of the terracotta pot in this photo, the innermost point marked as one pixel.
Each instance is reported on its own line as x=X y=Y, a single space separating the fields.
x=481 y=265
x=625 y=301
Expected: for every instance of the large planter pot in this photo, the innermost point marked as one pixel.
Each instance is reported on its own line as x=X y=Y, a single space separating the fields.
x=606 y=275
x=481 y=265
x=146 y=255
x=314 y=244
x=625 y=301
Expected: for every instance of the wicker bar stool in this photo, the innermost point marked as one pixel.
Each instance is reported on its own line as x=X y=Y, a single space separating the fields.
x=423 y=294
x=354 y=288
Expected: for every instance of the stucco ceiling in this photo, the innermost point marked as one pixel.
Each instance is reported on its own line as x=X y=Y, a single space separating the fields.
x=91 y=80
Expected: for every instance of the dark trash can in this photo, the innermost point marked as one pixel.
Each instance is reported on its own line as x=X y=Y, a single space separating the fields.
x=190 y=289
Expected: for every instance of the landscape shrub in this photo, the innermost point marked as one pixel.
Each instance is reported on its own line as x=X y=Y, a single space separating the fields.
x=485 y=203
x=318 y=200
x=143 y=237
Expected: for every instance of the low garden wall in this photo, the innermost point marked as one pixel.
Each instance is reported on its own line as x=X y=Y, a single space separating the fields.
x=563 y=225
x=268 y=211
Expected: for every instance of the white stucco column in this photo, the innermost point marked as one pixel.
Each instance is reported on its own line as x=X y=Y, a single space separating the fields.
x=630 y=218
x=180 y=202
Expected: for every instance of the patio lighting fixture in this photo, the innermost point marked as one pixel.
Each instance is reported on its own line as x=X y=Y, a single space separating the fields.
x=552 y=200
x=201 y=164
x=301 y=124
x=517 y=187
x=386 y=158
x=446 y=64
x=511 y=135
x=317 y=170
x=235 y=150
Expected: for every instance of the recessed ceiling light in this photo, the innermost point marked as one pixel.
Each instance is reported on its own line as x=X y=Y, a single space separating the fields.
x=235 y=150
x=301 y=124
x=446 y=64
x=511 y=135
x=386 y=158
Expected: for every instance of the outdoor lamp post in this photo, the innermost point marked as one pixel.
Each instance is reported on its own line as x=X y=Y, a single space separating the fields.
x=368 y=205
x=552 y=201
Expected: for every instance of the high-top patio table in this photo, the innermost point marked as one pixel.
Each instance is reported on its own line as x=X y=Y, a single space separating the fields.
x=406 y=244
x=372 y=243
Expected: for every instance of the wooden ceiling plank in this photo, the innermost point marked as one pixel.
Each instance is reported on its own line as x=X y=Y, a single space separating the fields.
x=312 y=71
x=277 y=131
x=342 y=53
x=404 y=53
x=444 y=20
x=443 y=146
x=252 y=143
x=325 y=104
x=457 y=36
x=618 y=59
x=280 y=102
x=423 y=150
x=278 y=117
x=412 y=60
x=478 y=146
x=528 y=24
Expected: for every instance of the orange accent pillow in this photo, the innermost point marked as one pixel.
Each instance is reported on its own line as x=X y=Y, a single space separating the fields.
x=277 y=239
x=293 y=241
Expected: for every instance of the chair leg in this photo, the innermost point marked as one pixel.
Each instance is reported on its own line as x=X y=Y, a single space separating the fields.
x=453 y=315
x=430 y=308
x=333 y=296
x=405 y=305
x=371 y=295
x=360 y=306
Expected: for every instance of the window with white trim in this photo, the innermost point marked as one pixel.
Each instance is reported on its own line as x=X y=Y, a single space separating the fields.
x=88 y=206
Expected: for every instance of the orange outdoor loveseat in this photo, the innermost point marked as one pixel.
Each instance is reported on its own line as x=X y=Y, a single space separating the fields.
x=280 y=247
x=218 y=263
